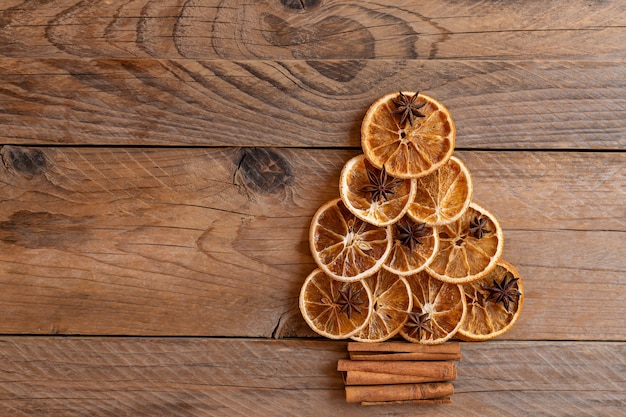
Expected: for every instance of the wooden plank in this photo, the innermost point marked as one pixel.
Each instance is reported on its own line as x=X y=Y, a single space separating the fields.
x=134 y=241
x=322 y=30
x=74 y=376
x=503 y=105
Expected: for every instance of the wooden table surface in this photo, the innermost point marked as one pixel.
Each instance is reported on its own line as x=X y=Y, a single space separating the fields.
x=162 y=160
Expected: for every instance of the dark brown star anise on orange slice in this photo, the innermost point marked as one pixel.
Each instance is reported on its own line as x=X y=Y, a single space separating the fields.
x=349 y=300
x=410 y=133
x=504 y=292
x=381 y=184
x=486 y=318
x=410 y=233
x=417 y=324
x=478 y=227
x=408 y=107
x=372 y=194
x=322 y=299
x=415 y=245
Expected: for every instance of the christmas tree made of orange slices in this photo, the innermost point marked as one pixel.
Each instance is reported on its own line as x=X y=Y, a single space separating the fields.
x=404 y=249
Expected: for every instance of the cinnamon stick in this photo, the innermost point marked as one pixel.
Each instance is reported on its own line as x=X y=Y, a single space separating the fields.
x=398 y=392
x=379 y=378
x=402 y=351
x=443 y=400
x=403 y=356
x=436 y=370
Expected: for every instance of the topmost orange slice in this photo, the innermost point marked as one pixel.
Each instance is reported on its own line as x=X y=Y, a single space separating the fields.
x=411 y=134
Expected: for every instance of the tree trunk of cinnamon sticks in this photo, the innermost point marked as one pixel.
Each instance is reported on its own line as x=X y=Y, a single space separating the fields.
x=399 y=372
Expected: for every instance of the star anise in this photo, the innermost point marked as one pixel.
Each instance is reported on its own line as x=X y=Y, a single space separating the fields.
x=417 y=324
x=349 y=301
x=408 y=107
x=504 y=292
x=381 y=184
x=410 y=233
x=478 y=227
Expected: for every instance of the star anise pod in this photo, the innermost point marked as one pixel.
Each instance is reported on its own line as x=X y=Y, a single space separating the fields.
x=408 y=107
x=417 y=324
x=410 y=233
x=504 y=292
x=381 y=184
x=478 y=227
x=349 y=301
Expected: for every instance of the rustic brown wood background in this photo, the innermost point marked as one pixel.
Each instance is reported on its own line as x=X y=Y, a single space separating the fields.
x=161 y=161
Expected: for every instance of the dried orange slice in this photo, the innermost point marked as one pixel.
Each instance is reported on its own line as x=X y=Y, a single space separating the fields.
x=332 y=308
x=373 y=195
x=444 y=195
x=414 y=247
x=344 y=246
x=468 y=248
x=411 y=134
x=391 y=304
x=438 y=310
x=494 y=303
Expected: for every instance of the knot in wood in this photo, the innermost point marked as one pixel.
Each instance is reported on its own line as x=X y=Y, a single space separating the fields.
x=264 y=170
x=300 y=4
x=28 y=161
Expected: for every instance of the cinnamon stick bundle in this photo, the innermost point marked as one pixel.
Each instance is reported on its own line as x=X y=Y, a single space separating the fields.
x=399 y=372
x=398 y=392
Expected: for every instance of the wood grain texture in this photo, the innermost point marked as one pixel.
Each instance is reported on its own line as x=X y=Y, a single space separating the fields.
x=502 y=105
x=321 y=30
x=215 y=241
x=179 y=149
x=198 y=377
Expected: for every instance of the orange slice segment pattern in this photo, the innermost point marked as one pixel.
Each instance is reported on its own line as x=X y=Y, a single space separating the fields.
x=469 y=247
x=391 y=303
x=344 y=246
x=372 y=195
x=494 y=303
x=438 y=312
x=333 y=308
x=444 y=195
x=414 y=247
